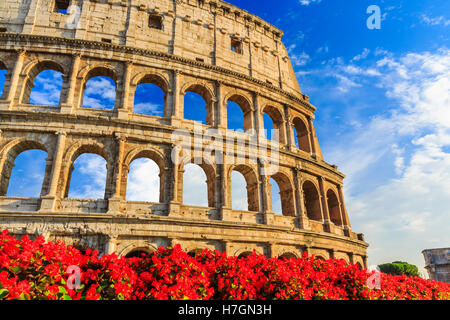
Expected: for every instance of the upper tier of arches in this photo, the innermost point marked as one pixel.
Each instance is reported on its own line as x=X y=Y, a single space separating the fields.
x=205 y=31
x=85 y=81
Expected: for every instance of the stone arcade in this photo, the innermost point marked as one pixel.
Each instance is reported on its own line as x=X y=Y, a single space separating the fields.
x=209 y=47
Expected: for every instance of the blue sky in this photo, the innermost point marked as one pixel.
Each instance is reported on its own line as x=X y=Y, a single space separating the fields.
x=383 y=116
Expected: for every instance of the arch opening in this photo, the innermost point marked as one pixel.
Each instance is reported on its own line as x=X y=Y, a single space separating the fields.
x=239 y=114
x=198 y=104
x=3 y=73
x=276 y=198
x=285 y=198
x=100 y=89
x=198 y=185
x=43 y=85
x=251 y=185
x=287 y=256
x=47 y=88
x=150 y=97
x=312 y=201
x=143 y=183
x=27 y=171
x=244 y=255
x=138 y=253
x=302 y=135
x=273 y=124
x=334 y=208
x=87 y=177
x=239 y=196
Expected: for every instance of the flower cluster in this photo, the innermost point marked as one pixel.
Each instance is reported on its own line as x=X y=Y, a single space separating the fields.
x=38 y=270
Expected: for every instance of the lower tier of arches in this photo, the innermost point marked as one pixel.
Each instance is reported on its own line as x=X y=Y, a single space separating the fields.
x=128 y=236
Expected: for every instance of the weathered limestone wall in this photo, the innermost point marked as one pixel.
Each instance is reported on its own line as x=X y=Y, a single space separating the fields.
x=437 y=263
x=33 y=39
x=197 y=30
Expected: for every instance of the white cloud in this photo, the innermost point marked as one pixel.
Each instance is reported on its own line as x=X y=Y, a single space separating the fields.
x=149 y=109
x=91 y=167
x=143 y=181
x=362 y=55
x=47 y=90
x=409 y=212
x=195 y=190
x=308 y=2
x=298 y=59
x=100 y=92
x=434 y=21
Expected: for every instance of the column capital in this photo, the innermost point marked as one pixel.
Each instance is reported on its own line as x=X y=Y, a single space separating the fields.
x=119 y=137
x=61 y=133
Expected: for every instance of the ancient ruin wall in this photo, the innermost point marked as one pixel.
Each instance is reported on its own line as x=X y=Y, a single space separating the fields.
x=212 y=48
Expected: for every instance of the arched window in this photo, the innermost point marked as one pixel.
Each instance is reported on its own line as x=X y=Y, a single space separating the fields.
x=195 y=188
x=276 y=199
x=138 y=254
x=244 y=255
x=284 y=199
x=195 y=107
x=302 y=135
x=312 y=201
x=150 y=96
x=194 y=252
x=250 y=189
x=273 y=124
x=143 y=183
x=47 y=88
x=87 y=178
x=239 y=195
x=287 y=255
x=239 y=113
x=43 y=84
x=334 y=208
x=235 y=117
x=3 y=72
x=198 y=104
x=100 y=89
x=269 y=131
x=27 y=175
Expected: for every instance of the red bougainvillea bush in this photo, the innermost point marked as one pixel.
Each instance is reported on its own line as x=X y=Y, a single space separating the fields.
x=38 y=270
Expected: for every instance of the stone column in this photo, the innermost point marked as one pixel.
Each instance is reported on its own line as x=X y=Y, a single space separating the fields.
x=115 y=200
x=123 y=109
x=289 y=130
x=111 y=245
x=48 y=201
x=10 y=95
x=222 y=122
x=176 y=114
x=68 y=105
x=325 y=212
x=258 y=117
x=266 y=196
x=173 y=186
x=300 y=204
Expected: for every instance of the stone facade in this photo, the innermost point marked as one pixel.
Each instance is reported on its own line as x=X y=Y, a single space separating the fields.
x=437 y=263
x=212 y=48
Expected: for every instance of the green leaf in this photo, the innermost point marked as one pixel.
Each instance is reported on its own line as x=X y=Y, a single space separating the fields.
x=66 y=297
x=3 y=293
x=62 y=289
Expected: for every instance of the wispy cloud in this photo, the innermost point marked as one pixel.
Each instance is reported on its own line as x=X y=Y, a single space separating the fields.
x=401 y=214
x=434 y=21
x=308 y=2
x=143 y=181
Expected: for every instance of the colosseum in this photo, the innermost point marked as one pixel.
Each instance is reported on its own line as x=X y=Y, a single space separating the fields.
x=208 y=47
